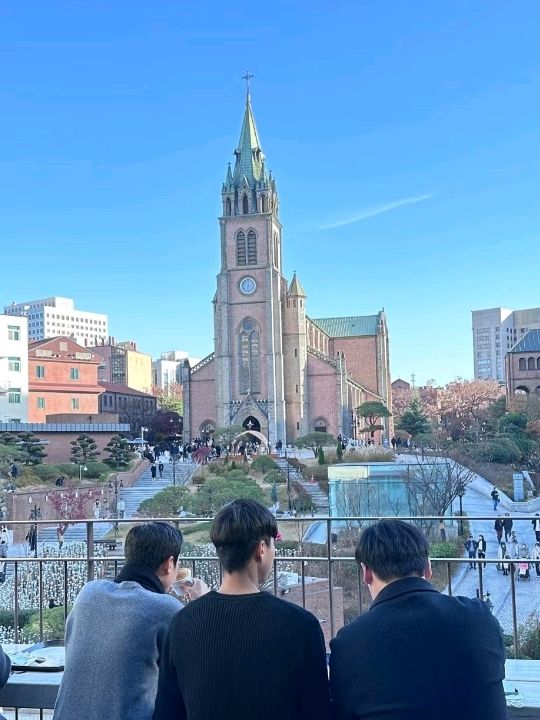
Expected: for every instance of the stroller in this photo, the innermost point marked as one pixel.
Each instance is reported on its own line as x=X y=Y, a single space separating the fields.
x=523 y=572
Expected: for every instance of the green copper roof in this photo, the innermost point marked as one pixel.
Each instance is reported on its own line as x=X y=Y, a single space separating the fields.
x=249 y=166
x=530 y=342
x=349 y=326
x=296 y=288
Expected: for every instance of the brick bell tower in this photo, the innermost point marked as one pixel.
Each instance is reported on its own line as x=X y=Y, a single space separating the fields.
x=250 y=287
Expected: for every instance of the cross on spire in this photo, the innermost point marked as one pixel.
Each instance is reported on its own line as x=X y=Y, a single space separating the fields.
x=247 y=77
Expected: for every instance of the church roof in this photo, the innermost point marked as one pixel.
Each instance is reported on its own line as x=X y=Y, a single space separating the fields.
x=348 y=326
x=249 y=166
x=296 y=288
x=530 y=342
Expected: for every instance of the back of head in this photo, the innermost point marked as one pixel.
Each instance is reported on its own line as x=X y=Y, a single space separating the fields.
x=238 y=528
x=393 y=549
x=149 y=544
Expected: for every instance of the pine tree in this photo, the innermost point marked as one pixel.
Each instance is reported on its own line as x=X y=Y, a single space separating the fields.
x=414 y=420
x=339 y=451
x=84 y=449
x=274 y=493
x=32 y=448
x=321 y=459
x=119 y=450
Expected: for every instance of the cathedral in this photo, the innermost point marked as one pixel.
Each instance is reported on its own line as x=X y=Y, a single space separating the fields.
x=276 y=371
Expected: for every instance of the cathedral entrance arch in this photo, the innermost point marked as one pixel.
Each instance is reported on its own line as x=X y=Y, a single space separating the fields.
x=257 y=435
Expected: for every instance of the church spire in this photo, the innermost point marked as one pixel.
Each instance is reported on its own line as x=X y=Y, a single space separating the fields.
x=249 y=166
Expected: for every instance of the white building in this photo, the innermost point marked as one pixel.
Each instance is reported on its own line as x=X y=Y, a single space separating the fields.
x=13 y=369
x=495 y=332
x=55 y=316
x=166 y=370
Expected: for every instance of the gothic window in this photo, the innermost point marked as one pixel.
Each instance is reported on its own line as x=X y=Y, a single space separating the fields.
x=276 y=250
x=245 y=205
x=522 y=364
x=241 y=255
x=251 y=247
x=228 y=206
x=538 y=363
x=530 y=364
x=249 y=357
x=264 y=203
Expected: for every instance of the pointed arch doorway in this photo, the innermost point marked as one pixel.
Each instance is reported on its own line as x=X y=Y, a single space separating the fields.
x=251 y=425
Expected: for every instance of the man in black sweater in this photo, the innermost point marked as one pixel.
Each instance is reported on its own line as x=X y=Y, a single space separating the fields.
x=239 y=653
x=417 y=654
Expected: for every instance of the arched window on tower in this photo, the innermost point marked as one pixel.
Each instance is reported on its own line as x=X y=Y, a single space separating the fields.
x=522 y=364
x=264 y=203
x=228 y=207
x=531 y=364
x=241 y=255
x=245 y=204
x=251 y=247
x=249 y=357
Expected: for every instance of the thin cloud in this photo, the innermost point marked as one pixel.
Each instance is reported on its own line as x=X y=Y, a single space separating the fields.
x=374 y=211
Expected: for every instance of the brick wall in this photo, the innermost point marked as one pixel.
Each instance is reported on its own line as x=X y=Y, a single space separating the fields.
x=322 y=394
x=360 y=359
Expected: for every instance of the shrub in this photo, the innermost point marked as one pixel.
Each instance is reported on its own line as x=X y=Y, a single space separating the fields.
x=264 y=463
x=275 y=476
x=498 y=450
x=529 y=639
x=47 y=473
x=320 y=457
x=237 y=474
x=165 y=503
x=7 y=618
x=53 y=624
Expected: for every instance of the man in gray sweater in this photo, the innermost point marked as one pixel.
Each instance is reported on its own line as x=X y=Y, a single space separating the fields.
x=115 y=631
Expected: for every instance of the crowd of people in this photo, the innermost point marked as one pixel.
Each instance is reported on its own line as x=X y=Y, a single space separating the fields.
x=132 y=651
x=511 y=551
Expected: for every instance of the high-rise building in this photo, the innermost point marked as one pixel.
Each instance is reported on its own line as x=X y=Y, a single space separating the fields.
x=13 y=369
x=275 y=371
x=55 y=316
x=495 y=332
x=123 y=364
x=166 y=372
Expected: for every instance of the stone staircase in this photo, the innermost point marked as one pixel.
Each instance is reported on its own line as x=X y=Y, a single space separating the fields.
x=143 y=489
x=320 y=499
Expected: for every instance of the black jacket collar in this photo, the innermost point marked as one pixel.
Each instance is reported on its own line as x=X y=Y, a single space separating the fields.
x=403 y=586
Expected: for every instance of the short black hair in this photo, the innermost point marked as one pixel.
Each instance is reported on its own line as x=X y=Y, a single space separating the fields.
x=150 y=544
x=237 y=529
x=393 y=549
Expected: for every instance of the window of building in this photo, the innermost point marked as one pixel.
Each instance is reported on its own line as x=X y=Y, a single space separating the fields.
x=252 y=247
x=14 y=332
x=14 y=364
x=14 y=396
x=298 y=426
x=249 y=361
x=538 y=363
x=228 y=206
x=296 y=388
x=531 y=365
x=40 y=403
x=74 y=403
x=522 y=364
x=241 y=253
x=40 y=371
x=295 y=352
x=74 y=373
x=63 y=346
x=245 y=204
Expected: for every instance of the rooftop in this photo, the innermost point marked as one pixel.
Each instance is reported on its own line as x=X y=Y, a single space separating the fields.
x=348 y=326
x=530 y=342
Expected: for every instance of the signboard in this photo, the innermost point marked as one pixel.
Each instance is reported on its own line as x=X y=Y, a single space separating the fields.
x=519 y=489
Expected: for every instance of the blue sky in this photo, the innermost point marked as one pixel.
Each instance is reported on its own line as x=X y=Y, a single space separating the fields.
x=404 y=136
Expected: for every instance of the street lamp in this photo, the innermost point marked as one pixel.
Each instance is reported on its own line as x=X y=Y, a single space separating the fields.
x=81 y=468
x=117 y=485
x=35 y=514
x=461 y=493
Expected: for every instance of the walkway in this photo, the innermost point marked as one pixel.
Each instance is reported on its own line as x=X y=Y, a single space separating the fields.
x=143 y=489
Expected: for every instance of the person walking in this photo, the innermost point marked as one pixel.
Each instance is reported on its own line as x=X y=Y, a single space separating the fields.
x=4 y=541
x=495 y=497
x=506 y=564
x=501 y=554
x=536 y=526
x=499 y=527
x=97 y=510
x=508 y=523
x=121 y=508
x=513 y=545
x=161 y=467
x=153 y=471
x=535 y=557
x=482 y=545
x=417 y=654
x=471 y=546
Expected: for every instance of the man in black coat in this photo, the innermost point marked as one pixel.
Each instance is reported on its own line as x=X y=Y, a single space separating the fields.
x=508 y=524
x=417 y=654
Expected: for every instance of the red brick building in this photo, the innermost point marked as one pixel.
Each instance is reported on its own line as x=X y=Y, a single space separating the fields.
x=63 y=378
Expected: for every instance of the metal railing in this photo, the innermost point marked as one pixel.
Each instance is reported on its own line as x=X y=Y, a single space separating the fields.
x=330 y=577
